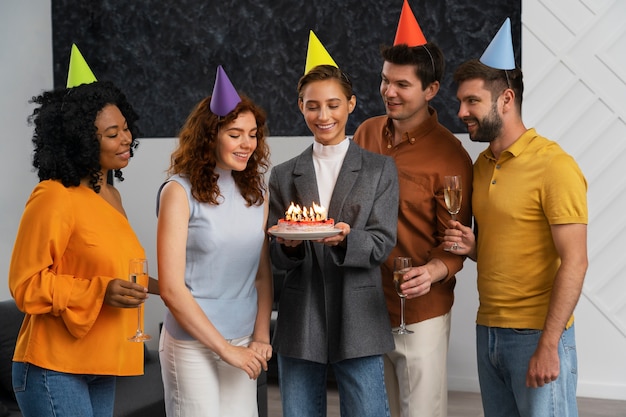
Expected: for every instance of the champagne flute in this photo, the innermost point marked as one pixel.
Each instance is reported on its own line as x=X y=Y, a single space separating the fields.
x=453 y=194
x=401 y=266
x=138 y=273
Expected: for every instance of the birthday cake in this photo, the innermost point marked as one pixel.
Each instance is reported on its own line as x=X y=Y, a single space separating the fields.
x=312 y=219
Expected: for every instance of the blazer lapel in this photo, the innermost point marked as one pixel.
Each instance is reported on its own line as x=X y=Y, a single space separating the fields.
x=345 y=181
x=304 y=179
x=305 y=183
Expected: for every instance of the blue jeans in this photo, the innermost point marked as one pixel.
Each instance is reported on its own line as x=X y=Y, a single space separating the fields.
x=360 y=382
x=503 y=356
x=44 y=393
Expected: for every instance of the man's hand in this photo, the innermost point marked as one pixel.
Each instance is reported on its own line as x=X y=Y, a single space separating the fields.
x=543 y=367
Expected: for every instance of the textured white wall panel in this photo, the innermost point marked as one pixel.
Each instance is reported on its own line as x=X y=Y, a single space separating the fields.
x=574 y=63
x=573 y=14
x=545 y=25
x=584 y=125
x=559 y=80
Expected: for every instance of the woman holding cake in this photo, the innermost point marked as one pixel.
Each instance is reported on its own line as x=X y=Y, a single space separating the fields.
x=332 y=310
x=214 y=269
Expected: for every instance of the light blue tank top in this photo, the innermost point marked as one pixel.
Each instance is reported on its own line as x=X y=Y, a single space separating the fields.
x=223 y=249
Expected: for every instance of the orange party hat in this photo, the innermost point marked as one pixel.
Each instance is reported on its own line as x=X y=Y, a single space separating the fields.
x=409 y=31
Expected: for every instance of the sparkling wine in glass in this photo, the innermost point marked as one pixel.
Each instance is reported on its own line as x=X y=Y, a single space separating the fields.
x=453 y=194
x=138 y=273
x=401 y=266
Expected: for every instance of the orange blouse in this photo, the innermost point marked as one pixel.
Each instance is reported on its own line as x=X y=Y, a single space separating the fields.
x=69 y=245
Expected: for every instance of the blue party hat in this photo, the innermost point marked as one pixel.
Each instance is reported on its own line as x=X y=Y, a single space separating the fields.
x=499 y=54
x=224 y=98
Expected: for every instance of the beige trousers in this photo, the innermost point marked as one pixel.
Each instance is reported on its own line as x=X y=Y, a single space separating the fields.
x=416 y=372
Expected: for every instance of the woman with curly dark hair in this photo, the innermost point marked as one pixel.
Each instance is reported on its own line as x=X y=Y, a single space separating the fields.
x=214 y=270
x=71 y=257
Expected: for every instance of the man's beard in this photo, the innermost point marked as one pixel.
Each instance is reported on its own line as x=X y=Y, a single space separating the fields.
x=489 y=127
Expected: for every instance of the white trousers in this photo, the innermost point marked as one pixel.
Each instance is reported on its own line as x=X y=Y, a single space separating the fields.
x=198 y=383
x=416 y=372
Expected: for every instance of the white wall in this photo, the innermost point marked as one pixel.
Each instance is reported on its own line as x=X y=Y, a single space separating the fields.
x=26 y=70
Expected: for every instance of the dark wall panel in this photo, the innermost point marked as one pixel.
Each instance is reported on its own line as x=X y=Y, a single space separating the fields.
x=164 y=53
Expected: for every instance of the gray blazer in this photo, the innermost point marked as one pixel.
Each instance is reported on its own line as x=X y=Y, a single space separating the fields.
x=332 y=305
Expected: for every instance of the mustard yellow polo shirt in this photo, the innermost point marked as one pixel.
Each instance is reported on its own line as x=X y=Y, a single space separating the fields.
x=533 y=185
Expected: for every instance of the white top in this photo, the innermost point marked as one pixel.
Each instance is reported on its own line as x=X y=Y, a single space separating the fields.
x=222 y=257
x=327 y=161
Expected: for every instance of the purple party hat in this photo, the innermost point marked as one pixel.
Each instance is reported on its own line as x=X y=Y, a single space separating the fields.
x=224 y=98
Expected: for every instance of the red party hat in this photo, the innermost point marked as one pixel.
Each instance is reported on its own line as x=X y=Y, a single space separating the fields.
x=409 y=31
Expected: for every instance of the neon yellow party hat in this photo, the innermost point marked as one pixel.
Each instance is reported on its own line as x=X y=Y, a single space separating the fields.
x=317 y=54
x=79 y=72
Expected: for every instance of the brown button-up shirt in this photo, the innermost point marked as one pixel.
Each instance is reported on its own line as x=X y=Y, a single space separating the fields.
x=423 y=158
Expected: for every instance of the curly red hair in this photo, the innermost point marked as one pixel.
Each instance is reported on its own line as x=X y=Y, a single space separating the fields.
x=195 y=157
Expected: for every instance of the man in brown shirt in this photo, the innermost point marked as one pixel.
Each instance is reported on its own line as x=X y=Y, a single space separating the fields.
x=424 y=152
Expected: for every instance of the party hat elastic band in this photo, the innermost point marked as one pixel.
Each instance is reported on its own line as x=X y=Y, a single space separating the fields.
x=79 y=72
x=409 y=31
x=499 y=54
x=224 y=98
x=317 y=54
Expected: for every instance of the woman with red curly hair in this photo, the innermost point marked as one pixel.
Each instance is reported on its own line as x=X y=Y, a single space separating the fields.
x=214 y=269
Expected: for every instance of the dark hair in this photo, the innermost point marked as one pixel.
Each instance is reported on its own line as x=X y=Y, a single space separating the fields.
x=496 y=80
x=66 y=145
x=428 y=60
x=195 y=155
x=326 y=72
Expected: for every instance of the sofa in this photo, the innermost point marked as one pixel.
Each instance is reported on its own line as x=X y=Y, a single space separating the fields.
x=136 y=396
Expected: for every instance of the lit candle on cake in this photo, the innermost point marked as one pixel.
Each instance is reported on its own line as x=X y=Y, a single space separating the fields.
x=311 y=218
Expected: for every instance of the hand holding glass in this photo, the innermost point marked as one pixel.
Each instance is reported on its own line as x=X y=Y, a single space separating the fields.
x=401 y=266
x=138 y=273
x=453 y=194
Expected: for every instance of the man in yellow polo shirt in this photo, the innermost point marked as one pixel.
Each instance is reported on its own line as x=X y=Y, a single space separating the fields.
x=530 y=209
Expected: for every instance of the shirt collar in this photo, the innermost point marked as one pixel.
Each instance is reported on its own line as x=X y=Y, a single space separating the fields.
x=331 y=151
x=413 y=136
x=516 y=148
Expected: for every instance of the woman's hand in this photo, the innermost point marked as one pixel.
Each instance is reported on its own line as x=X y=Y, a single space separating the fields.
x=286 y=242
x=125 y=294
x=265 y=349
x=246 y=359
x=338 y=239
